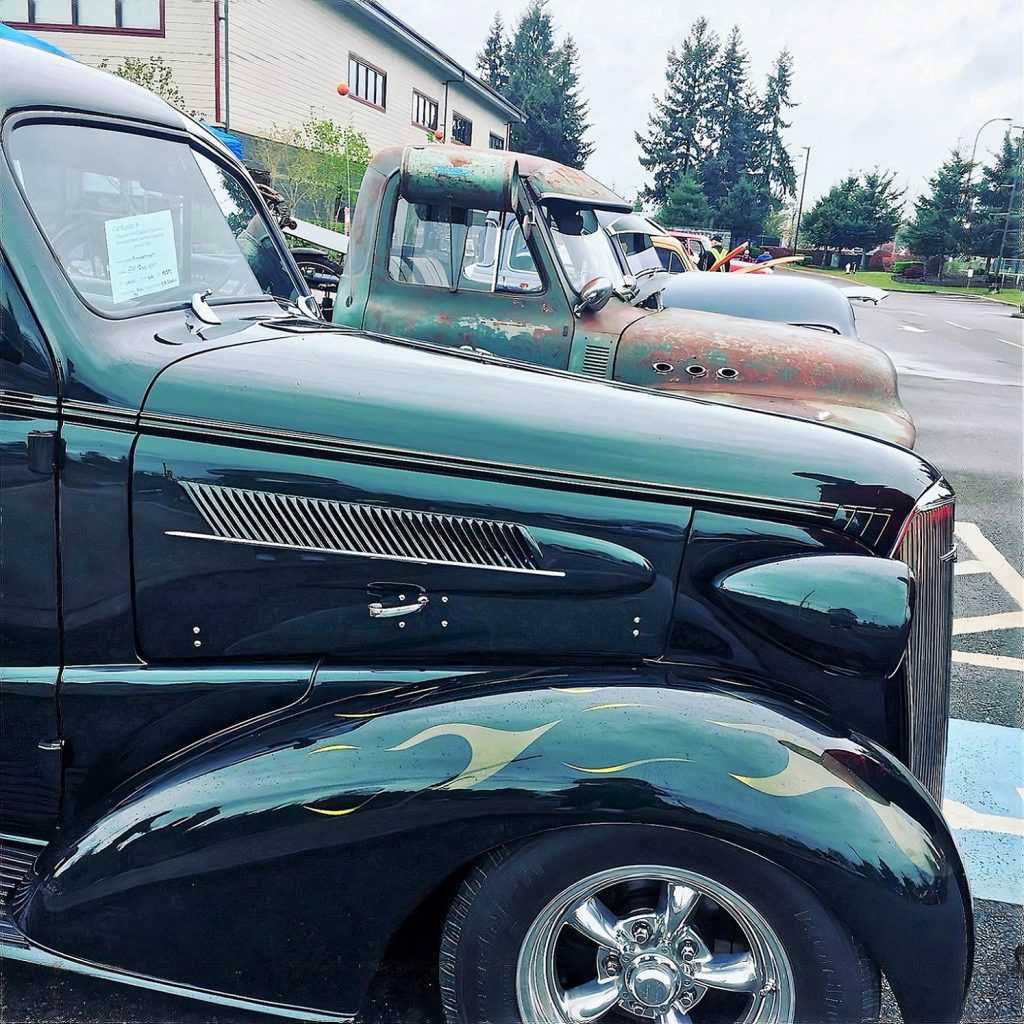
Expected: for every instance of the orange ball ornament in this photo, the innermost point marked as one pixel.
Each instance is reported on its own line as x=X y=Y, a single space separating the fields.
x=343 y=88
x=438 y=134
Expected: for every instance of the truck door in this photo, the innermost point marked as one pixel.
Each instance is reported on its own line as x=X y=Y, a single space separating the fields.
x=466 y=279
x=30 y=756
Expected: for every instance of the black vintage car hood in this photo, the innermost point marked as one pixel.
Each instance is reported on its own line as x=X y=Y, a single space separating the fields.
x=356 y=397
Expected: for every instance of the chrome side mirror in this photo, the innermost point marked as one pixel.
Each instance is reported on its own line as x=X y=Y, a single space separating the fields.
x=594 y=296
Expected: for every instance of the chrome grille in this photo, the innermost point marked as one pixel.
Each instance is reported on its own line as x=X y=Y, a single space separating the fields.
x=16 y=860
x=293 y=521
x=595 y=360
x=927 y=547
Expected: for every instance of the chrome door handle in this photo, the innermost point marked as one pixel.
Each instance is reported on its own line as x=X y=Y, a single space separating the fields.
x=379 y=611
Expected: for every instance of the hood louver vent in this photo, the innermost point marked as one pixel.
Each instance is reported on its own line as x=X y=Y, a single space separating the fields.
x=292 y=521
x=595 y=361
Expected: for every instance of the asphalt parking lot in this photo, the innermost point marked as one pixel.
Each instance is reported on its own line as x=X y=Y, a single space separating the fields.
x=960 y=365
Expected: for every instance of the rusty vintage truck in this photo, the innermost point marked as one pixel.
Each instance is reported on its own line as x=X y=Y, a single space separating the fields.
x=503 y=252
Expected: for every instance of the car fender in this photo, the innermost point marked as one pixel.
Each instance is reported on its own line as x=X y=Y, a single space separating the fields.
x=307 y=837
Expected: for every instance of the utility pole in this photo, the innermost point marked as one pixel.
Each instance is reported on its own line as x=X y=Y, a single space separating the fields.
x=800 y=207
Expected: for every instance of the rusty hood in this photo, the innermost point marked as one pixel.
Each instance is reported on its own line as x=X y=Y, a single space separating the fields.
x=766 y=366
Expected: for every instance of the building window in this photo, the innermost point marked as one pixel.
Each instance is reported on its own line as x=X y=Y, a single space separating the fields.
x=138 y=17
x=424 y=111
x=462 y=129
x=496 y=141
x=367 y=83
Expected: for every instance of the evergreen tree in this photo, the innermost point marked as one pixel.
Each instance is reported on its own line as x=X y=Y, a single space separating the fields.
x=992 y=197
x=679 y=126
x=574 y=108
x=856 y=212
x=543 y=80
x=732 y=127
x=492 y=60
x=686 y=205
x=937 y=228
x=744 y=209
x=882 y=206
x=772 y=163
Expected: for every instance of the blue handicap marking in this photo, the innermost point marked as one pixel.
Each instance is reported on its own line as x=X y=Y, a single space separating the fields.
x=984 y=803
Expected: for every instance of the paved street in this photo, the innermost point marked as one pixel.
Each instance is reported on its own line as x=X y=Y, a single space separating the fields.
x=960 y=365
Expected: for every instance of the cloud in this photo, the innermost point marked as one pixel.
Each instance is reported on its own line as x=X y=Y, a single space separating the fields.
x=897 y=85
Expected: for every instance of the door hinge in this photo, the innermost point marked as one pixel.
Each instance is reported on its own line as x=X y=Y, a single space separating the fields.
x=45 y=451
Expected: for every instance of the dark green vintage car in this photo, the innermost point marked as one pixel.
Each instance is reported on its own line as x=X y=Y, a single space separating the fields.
x=618 y=706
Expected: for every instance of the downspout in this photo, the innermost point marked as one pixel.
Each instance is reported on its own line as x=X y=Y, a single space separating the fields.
x=447 y=127
x=227 y=68
x=216 y=61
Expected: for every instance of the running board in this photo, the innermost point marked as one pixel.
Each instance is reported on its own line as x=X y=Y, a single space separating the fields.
x=16 y=859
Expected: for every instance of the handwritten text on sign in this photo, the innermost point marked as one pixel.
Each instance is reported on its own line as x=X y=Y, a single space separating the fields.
x=142 y=255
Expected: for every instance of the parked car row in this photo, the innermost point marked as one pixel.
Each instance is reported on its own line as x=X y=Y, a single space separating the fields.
x=495 y=605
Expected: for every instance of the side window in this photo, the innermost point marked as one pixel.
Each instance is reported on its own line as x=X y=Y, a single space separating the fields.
x=25 y=363
x=429 y=242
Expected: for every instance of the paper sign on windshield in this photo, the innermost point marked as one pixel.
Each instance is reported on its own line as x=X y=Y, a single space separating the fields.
x=141 y=255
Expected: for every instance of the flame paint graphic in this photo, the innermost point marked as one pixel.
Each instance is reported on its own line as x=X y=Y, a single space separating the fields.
x=810 y=771
x=490 y=749
x=613 y=768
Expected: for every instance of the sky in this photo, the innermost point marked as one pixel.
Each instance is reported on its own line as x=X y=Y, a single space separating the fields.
x=892 y=84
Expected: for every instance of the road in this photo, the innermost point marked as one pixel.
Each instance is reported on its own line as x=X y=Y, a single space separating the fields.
x=960 y=368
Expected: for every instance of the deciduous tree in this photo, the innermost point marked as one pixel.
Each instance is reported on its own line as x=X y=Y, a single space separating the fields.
x=152 y=74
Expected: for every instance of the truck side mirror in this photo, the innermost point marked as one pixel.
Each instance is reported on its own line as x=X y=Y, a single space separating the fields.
x=594 y=296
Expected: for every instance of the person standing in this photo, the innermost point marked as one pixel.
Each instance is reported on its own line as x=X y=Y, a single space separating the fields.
x=713 y=255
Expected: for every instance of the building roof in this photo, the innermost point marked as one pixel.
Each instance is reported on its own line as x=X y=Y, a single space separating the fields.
x=398 y=29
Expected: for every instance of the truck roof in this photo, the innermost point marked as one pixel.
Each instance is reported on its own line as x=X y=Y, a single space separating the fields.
x=549 y=179
x=31 y=78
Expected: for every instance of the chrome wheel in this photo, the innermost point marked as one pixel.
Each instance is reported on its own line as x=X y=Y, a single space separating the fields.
x=652 y=943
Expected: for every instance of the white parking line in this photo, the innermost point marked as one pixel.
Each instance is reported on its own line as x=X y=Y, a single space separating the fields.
x=1002 y=661
x=952 y=323
x=985 y=551
x=986 y=623
x=985 y=806
x=970 y=568
x=1006 y=341
x=911 y=327
x=963 y=817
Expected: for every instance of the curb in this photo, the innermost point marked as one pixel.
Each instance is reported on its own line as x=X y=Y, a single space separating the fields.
x=910 y=291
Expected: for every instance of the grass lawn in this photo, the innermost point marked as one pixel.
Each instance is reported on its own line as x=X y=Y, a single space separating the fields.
x=880 y=279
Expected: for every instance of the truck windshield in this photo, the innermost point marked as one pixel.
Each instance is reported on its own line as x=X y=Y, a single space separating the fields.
x=582 y=246
x=139 y=222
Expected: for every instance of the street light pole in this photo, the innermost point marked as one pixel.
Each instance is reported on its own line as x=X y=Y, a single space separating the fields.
x=800 y=207
x=970 y=166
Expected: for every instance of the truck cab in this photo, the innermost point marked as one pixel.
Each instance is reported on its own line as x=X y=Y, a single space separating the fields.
x=509 y=254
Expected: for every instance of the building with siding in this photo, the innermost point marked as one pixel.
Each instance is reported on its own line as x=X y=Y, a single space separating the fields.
x=254 y=66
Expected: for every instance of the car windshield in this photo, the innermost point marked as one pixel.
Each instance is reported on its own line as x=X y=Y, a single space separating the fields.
x=139 y=222
x=582 y=246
